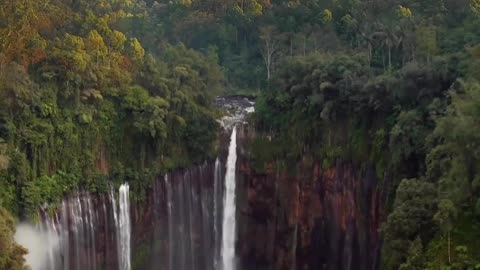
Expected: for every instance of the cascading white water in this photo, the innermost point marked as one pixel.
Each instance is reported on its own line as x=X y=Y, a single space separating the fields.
x=170 y=224
x=124 y=228
x=113 y=202
x=217 y=195
x=229 y=208
x=64 y=236
x=67 y=236
x=52 y=242
x=91 y=229
x=189 y=206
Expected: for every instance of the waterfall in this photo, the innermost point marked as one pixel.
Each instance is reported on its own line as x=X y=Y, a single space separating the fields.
x=65 y=247
x=76 y=225
x=69 y=235
x=52 y=241
x=229 y=211
x=94 y=231
x=124 y=228
x=192 y=220
x=158 y=261
x=170 y=224
x=80 y=210
x=217 y=215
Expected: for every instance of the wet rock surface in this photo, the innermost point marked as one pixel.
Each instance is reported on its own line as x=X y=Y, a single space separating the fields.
x=236 y=109
x=310 y=217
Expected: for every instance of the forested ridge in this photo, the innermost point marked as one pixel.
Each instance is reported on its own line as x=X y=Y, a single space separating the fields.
x=94 y=92
x=398 y=91
x=83 y=104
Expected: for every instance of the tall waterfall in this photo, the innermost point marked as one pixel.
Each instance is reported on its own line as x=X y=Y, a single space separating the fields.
x=180 y=226
x=192 y=205
x=124 y=228
x=229 y=210
x=217 y=214
x=171 y=259
x=83 y=233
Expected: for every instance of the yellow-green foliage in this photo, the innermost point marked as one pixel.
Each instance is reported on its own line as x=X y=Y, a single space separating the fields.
x=82 y=100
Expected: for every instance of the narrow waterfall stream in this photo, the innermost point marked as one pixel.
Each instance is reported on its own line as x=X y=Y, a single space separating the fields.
x=217 y=214
x=170 y=223
x=124 y=228
x=229 y=208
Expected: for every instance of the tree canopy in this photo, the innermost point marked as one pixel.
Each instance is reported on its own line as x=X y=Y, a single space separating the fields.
x=98 y=91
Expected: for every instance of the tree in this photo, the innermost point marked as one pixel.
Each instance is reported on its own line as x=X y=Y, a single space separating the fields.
x=117 y=39
x=444 y=217
x=475 y=7
x=411 y=217
x=415 y=257
x=407 y=136
x=73 y=51
x=454 y=161
x=426 y=37
x=271 y=46
x=136 y=51
x=95 y=45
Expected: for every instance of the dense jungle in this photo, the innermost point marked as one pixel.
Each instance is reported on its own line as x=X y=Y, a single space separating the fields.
x=363 y=151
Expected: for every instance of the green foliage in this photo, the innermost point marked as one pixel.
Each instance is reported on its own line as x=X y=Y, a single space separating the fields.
x=475 y=7
x=83 y=98
x=407 y=136
x=48 y=190
x=148 y=113
x=445 y=215
x=413 y=122
x=427 y=40
x=412 y=217
x=405 y=11
x=454 y=161
x=136 y=51
x=94 y=90
x=463 y=240
x=4 y=158
x=8 y=198
x=415 y=259
x=263 y=151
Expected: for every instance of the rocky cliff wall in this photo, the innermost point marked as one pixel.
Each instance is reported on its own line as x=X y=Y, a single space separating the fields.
x=308 y=217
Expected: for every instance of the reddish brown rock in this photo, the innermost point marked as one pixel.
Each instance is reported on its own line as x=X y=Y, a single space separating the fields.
x=309 y=219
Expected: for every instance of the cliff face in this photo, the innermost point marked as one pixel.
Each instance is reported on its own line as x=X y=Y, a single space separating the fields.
x=305 y=218
x=310 y=217
x=175 y=226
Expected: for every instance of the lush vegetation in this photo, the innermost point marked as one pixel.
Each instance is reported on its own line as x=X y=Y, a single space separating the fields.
x=399 y=90
x=416 y=124
x=82 y=102
x=119 y=90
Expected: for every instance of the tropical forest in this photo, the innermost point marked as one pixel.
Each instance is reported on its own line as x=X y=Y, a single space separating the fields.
x=239 y=134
